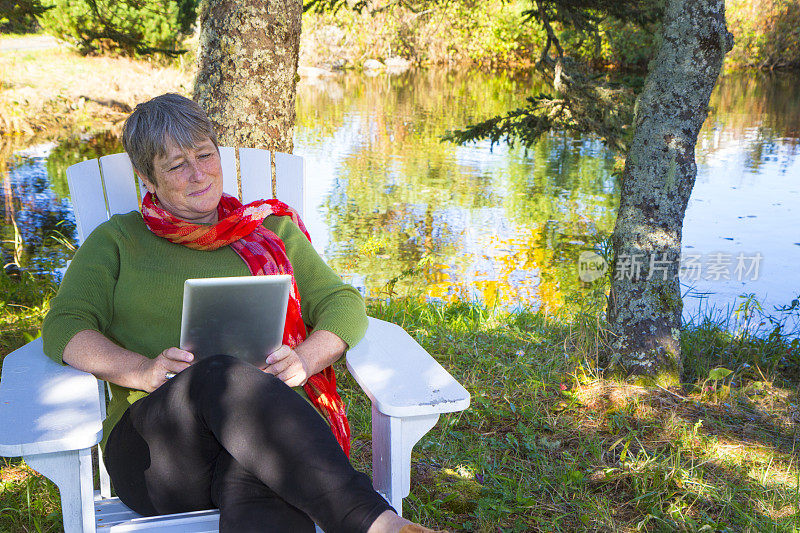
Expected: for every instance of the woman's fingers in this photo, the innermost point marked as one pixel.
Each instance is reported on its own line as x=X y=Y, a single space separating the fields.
x=294 y=376
x=279 y=360
x=176 y=354
x=175 y=366
x=285 y=364
x=280 y=366
x=157 y=371
x=170 y=362
x=281 y=353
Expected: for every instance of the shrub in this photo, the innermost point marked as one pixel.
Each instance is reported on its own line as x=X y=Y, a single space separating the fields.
x=487 y=32
x=128 y=27
x=766 y=33
x=19 y=16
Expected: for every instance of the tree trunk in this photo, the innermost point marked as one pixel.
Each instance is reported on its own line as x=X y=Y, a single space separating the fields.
x=247 y=68
x=644 y=308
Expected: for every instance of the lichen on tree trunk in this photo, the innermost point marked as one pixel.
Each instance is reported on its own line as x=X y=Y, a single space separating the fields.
x=644 y=308
x=247 y=68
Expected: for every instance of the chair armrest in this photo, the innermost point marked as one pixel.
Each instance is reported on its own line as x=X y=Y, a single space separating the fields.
x=46 y=407
x=400 y=377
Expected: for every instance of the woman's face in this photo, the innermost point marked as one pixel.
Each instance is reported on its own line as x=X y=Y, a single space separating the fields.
x=188 y=182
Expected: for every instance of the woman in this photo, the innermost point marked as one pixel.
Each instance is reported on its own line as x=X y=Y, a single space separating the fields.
x=183 y=436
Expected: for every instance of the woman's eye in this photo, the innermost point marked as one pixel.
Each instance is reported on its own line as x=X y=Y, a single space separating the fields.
x=203 y=156
x=176 y=167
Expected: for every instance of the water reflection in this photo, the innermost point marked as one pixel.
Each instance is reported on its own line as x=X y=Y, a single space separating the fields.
x=398 y=212
x=414 y=216
x=38 y=229
x=745 y=200
x=37 y=224
x=418 y=217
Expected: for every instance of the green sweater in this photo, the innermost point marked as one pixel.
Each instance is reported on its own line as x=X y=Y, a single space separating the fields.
x=127 y=283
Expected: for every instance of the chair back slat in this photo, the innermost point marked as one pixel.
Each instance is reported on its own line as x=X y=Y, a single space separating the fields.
x=94 y=204
x=255 y=168
x=230 y=185
x=291 y=180
x=120 y=183
x=88 y=200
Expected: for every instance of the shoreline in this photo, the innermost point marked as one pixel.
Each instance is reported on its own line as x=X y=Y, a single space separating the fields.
x=36 y=107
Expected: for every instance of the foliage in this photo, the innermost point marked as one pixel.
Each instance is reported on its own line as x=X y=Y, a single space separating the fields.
x=593 y=108
x=372 y=7
x=491 y=32
x=766 y=33
x=617 y=44
x=581 y=102
x=333 y=6
x=28 y=501
x=760 y=343
x=604 y=456
x=584 y=18
x=19 y=16
x=486 y=33
x=609 y=34
x=22 y=308
x=129 y=27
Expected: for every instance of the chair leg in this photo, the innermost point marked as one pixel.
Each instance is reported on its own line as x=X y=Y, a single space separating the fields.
x=392 y=441
x=72 y=472
x=105 y=480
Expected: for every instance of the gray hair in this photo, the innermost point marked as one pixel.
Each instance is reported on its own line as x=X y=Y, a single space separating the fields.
x=166 y=117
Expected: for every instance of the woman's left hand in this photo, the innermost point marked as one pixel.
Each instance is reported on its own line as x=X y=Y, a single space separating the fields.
x=294 y=366
x=285 y=364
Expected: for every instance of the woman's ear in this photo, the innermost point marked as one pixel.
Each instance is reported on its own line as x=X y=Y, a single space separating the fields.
x=149 y=185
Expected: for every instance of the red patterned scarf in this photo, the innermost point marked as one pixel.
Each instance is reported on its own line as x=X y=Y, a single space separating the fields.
x=240 y=227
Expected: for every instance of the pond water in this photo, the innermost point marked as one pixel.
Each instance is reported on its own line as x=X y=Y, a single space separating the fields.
x=398 y=212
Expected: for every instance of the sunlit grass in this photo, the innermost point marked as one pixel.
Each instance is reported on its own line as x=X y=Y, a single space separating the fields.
x=554 y=447
x=549 y=445
x=12 y=36
x=28 y=501
x=32 y=100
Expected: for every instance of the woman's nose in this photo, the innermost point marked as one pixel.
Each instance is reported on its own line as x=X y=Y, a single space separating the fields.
x=195 y=174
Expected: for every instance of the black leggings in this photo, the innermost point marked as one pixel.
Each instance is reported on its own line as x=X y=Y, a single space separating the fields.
x=224 y=434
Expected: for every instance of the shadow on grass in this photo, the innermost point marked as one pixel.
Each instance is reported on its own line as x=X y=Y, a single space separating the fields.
x=545 y=446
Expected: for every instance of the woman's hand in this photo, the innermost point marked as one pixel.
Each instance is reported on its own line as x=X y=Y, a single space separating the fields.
x=294 y=366
x=288 y=366
x=154 y=372
x=93 y=352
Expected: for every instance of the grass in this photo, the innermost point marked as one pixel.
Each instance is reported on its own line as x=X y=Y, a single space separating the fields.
x=28 y=501
x=547 y=444
x=90 y=93
x=22 y=308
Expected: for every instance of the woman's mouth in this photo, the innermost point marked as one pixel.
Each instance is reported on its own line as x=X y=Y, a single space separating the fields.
x=200 y=193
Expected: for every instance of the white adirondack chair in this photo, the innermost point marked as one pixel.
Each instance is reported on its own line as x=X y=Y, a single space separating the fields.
x=51 y=414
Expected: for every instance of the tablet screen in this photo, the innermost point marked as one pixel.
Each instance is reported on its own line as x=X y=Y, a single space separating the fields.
x=241 y=316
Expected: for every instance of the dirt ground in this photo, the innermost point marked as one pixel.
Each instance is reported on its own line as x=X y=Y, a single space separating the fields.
x=47 y=89
x=29 y=42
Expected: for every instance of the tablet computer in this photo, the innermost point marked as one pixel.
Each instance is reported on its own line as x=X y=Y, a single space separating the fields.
x=241 y=316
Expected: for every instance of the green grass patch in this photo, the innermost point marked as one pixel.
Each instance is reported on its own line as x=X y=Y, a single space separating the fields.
x=28 y=501
x=549 y=445
x=22 y=308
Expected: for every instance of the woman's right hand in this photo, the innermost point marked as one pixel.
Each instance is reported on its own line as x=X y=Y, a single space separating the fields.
x=154 y=372
x=93 y=352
